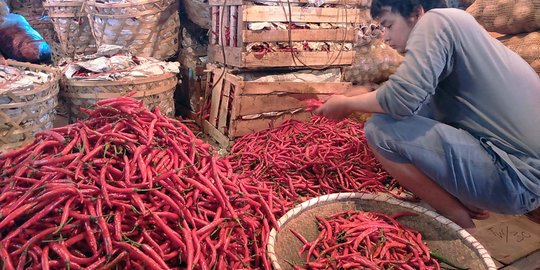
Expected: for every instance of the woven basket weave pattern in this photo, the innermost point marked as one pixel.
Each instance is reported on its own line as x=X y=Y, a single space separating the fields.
x=282 y=246
x=72 y=27
x=147 y=28
x=28 y=111
x=31 y=7
x=154 y=91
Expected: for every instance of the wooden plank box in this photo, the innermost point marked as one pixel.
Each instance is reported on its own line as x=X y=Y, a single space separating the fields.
x=230 y=36
x=238 y=107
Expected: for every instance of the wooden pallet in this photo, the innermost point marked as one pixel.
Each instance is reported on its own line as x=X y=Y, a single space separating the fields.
x=230 y=36
x=234 y=102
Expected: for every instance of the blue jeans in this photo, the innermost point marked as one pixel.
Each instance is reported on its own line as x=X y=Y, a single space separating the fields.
x=454 y=159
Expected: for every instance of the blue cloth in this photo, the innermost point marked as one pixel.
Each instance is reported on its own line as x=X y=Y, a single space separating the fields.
x=474 y=83
x=13 y=45
x=460 y=163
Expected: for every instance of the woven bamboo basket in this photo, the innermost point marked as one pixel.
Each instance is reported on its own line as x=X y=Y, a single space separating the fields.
x=25 y=112
x=147 y=27
x=43 y=26
x=72 y=28
x=32 y=7
x=155 y=90
x=442 y=236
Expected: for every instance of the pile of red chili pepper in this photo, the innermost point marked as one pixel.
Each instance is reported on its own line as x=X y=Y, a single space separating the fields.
x=365 y=240
x=129 y=189
x=303 y=160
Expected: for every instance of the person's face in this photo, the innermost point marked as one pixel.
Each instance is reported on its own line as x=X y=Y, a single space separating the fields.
x=397 y=28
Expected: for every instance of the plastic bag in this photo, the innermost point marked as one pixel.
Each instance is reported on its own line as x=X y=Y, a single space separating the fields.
x=21 y=42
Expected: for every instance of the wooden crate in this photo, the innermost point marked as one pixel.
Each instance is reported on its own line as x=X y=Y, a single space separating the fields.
x=230 y=36
x=233 y=103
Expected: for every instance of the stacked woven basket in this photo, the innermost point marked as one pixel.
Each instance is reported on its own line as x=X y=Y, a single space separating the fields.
x=155 y=91
x=72 y=27
x=23 y=112
x=147 y=28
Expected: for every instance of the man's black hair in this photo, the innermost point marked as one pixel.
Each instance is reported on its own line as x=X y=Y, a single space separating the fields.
x=404 y=7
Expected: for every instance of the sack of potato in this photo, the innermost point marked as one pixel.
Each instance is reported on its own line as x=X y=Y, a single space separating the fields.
x=465 y=3
x=527 y=46
x=373 y=63
x=507 y=16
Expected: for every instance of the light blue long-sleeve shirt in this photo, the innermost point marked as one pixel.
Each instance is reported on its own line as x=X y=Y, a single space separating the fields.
x=473 y=82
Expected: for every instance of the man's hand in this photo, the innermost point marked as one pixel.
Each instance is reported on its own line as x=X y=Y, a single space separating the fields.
x=335 y=108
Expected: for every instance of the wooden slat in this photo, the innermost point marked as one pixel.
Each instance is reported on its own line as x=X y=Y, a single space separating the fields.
x=285 y=59
x=235 y=108
x=233 y=56
x=244 y=127
x=228 y=3
x=224 y=107
x=233 y=24
x=217 y=86
x=228 y=75
x=240 y=27
x=299 y=14
x=221 y=22
x=340 y=35
x=254 y=104
x=259 y=88
x=221 y=139
x=215 y=29
x=226 y=25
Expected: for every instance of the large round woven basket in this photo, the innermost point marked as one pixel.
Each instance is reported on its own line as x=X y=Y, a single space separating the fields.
x=442 y=236
x=25 y=112
x=147 y=27
x=157 y=90
x=71 y=25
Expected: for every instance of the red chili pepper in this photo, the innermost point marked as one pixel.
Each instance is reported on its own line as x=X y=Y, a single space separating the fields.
x=138 y=254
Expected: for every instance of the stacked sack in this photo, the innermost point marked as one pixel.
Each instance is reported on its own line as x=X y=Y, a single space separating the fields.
x=518 y=19
x=374 y=61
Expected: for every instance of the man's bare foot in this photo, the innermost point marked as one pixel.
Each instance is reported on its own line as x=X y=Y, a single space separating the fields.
x=477 y=213
x=534 y=215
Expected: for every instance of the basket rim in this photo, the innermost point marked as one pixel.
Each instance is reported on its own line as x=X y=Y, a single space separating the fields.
x=30 y=65
x=123 y=5
x=381 y=197
x=39 y=88
x=123 y=81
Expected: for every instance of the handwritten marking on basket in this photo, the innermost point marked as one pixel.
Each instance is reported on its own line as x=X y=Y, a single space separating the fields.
x=510 y=235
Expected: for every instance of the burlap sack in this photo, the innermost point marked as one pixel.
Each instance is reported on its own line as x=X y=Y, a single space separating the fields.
x=373 y=63
x=465 y=3
x=507 y=16
x=527 y=46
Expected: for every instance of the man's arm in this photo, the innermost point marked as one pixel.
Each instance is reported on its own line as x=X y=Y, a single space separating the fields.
x=340 y=106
